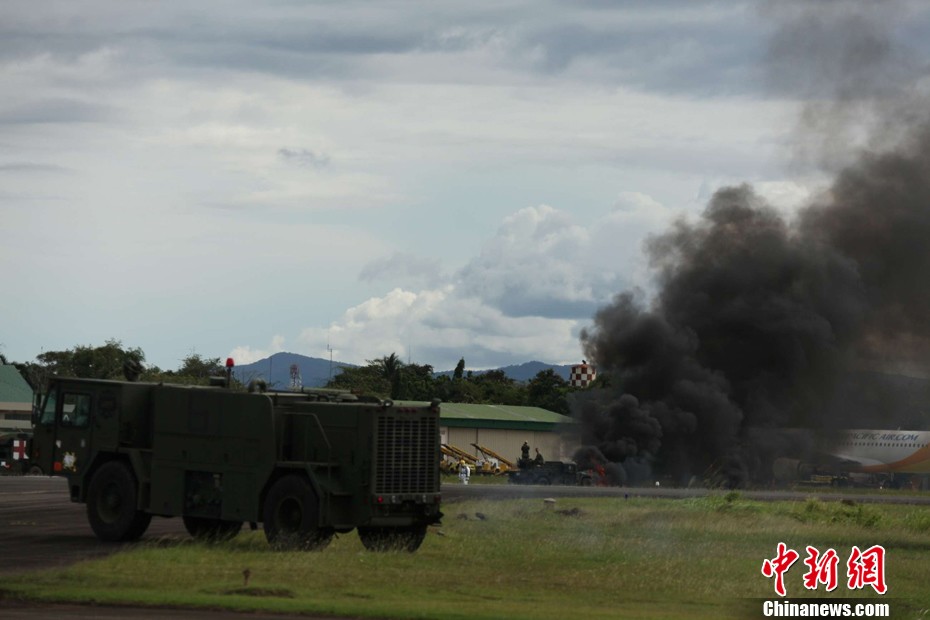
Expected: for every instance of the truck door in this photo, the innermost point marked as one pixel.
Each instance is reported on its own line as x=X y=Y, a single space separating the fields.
x=43 y=434
x=62 y=435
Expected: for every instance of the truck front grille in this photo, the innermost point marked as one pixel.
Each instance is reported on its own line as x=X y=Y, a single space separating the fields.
x=407 y=454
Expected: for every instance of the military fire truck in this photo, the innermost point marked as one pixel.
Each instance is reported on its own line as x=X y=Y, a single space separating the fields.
x=306 y=465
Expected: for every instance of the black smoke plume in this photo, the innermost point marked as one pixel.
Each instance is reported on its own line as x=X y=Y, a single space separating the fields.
x=761 y=322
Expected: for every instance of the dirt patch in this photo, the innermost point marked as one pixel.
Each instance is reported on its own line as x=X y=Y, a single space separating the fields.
x=571 y=512
x=258 y=592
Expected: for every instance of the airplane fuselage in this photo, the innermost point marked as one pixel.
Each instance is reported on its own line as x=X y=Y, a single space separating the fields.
x=884 y=451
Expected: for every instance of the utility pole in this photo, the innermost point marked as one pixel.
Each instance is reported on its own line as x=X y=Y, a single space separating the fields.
x=330 y=349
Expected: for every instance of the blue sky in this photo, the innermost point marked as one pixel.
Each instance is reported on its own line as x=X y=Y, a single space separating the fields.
x=437 y=180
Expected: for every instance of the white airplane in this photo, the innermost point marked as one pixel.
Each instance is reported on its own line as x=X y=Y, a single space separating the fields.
x=858 y=456
x=879 y=452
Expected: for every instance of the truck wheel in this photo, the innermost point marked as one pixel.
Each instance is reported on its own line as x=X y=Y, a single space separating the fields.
x=542 y=480
x=392 y=538
x=35 y=470
x=211 y=530
x=111 y=504
x=290 y=517
x=139 y=525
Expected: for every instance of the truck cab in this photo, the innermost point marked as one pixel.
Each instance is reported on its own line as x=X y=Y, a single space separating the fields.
x=63 y=434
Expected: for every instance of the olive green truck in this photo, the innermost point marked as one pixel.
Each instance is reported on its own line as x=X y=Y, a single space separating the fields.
x=307 y=465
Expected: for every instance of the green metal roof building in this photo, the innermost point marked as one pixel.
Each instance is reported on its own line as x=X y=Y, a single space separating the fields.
x=15 y=400
x=504 y=428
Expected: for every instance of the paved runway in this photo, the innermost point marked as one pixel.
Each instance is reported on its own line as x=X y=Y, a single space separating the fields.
x=41 y=528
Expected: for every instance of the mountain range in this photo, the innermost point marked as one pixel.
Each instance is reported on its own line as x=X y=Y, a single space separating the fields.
x=316 y=372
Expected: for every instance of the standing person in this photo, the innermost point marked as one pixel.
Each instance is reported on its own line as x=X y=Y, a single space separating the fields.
x=464 y=472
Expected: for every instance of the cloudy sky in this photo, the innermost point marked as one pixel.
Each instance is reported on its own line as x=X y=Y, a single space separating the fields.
x=439 y=180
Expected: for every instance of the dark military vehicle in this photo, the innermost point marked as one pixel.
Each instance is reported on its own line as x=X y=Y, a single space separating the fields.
x=14 y=454
x=550 y=472
x=305 y=465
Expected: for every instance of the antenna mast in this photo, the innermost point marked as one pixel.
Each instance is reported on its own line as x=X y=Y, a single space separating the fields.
x=296 y=382
x=330 y=349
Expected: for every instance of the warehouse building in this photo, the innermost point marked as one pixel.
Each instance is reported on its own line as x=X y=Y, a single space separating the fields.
x=15 y=400
x=504 y=429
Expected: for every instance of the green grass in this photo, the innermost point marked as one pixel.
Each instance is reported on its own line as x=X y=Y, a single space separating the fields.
x=590 y=558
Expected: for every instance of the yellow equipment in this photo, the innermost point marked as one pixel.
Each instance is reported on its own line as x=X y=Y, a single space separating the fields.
x=456 y=455
x=488 y=466
x=499 y=464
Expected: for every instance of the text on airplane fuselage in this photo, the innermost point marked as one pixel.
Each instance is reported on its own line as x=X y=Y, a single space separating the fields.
x=870 y=436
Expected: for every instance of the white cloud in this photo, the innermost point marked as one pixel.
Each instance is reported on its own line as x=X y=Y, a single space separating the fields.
x=535 y=284
x=245 y=354
x=543 y=263
x=438 y=327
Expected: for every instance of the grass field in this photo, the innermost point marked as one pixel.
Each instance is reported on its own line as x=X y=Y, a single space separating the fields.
x=597 y=558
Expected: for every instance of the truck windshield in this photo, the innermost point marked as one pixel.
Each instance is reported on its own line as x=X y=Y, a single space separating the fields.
x=75 y=410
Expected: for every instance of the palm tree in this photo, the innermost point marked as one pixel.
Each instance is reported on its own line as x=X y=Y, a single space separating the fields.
x=390 y=367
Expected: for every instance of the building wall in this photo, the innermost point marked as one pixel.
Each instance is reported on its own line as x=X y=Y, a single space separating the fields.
x=507 y=443
x=15 y=417
x=15 y=400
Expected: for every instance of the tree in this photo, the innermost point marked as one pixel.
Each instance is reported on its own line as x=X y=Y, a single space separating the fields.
x=389 y=367
x=457 y=391
x=548 y=390
x=107 y=361
x=194 y=365
x=362 y=380
x=388 y=377
x=497 y=388
x=416 y=383
x=104 y=362
x=84 y=361
x=194 y=370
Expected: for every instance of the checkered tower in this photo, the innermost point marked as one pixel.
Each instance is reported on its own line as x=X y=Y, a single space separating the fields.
x=582 y=375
